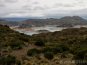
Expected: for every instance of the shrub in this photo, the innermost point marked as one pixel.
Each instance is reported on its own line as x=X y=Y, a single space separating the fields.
x=47 y=49
x=8 y=60
x=57 y=49
x=61 y=48
x=40 y=43
x=33 y=52
x=16 y=44
x=48 y=55
x=80 y=54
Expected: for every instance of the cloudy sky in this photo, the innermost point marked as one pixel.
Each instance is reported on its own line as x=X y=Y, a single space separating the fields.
x=43 y=8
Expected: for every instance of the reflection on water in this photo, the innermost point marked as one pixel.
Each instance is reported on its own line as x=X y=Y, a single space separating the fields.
x=49 y=28
x=34 y=30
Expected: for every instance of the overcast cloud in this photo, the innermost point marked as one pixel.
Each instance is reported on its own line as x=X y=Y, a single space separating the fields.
x=42 y=8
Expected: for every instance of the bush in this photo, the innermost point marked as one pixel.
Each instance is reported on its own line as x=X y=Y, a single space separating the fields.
x=80 y=54
x=57 y=49
x=16 y=44
x=33 y=52
x=48 y=55
x=8 y=60
x=40 y=43
x=61 y=48
x=47 y=49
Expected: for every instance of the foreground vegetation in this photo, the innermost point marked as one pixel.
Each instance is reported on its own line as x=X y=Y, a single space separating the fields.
x=45 y=48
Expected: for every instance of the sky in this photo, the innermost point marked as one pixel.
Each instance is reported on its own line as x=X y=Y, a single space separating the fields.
x=43 y=8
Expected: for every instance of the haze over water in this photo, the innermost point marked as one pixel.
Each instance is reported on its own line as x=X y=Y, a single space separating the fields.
x=50 y=28
x=34 y=30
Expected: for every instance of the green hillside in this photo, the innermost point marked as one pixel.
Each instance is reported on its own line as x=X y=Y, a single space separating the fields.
x=42 y=49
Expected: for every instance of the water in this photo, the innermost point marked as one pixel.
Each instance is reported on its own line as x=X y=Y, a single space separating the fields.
x=50 y=28
x=34 y=30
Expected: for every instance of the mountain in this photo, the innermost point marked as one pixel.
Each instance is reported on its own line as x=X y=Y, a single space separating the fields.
x=67 y=21
x=9 y=23
x=75 y=20
x=15 y=19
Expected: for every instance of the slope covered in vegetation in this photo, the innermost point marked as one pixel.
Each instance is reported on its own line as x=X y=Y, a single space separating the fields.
x=12 y=39
x=45 y=48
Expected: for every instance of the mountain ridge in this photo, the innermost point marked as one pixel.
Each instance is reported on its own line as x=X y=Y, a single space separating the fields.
x=67 y=21
x=64 y=21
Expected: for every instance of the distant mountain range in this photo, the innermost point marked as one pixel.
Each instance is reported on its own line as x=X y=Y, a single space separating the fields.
x=9 y=23
x=15 y=19
x=67 y=21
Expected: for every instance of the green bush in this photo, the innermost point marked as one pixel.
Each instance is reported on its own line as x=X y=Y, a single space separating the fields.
x=8 y=60
x=56 y=49
x=40 y=43
x=61 y=49
x=16 y=44
x=80 y=54
x=48 y=55
x=33 y=52
x=47 y=49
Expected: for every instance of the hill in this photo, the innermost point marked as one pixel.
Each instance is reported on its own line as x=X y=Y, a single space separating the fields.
x=9 y=23
x=67 y=21
x=45 y=48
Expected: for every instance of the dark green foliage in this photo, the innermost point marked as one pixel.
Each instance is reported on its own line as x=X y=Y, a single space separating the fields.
x=48 y=55
x=56 y=49
x=18 y=62
x=16 y=44
x=40 y=43
x=8 y=60
x=81 y=55
x=4 y=29
x=47 y=49
x=61 y=48
x=73 y=41
x=33 y=52
x=24 y=37
x=11 y=38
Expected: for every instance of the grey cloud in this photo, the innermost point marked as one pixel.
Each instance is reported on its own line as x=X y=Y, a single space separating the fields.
x=63 y=5
x=2 y=14
x=2 y=5
x=81 y=12
x=35 y=3
x=10 y=1
x=27 y=7
x=36 y=7
x=39 y=8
